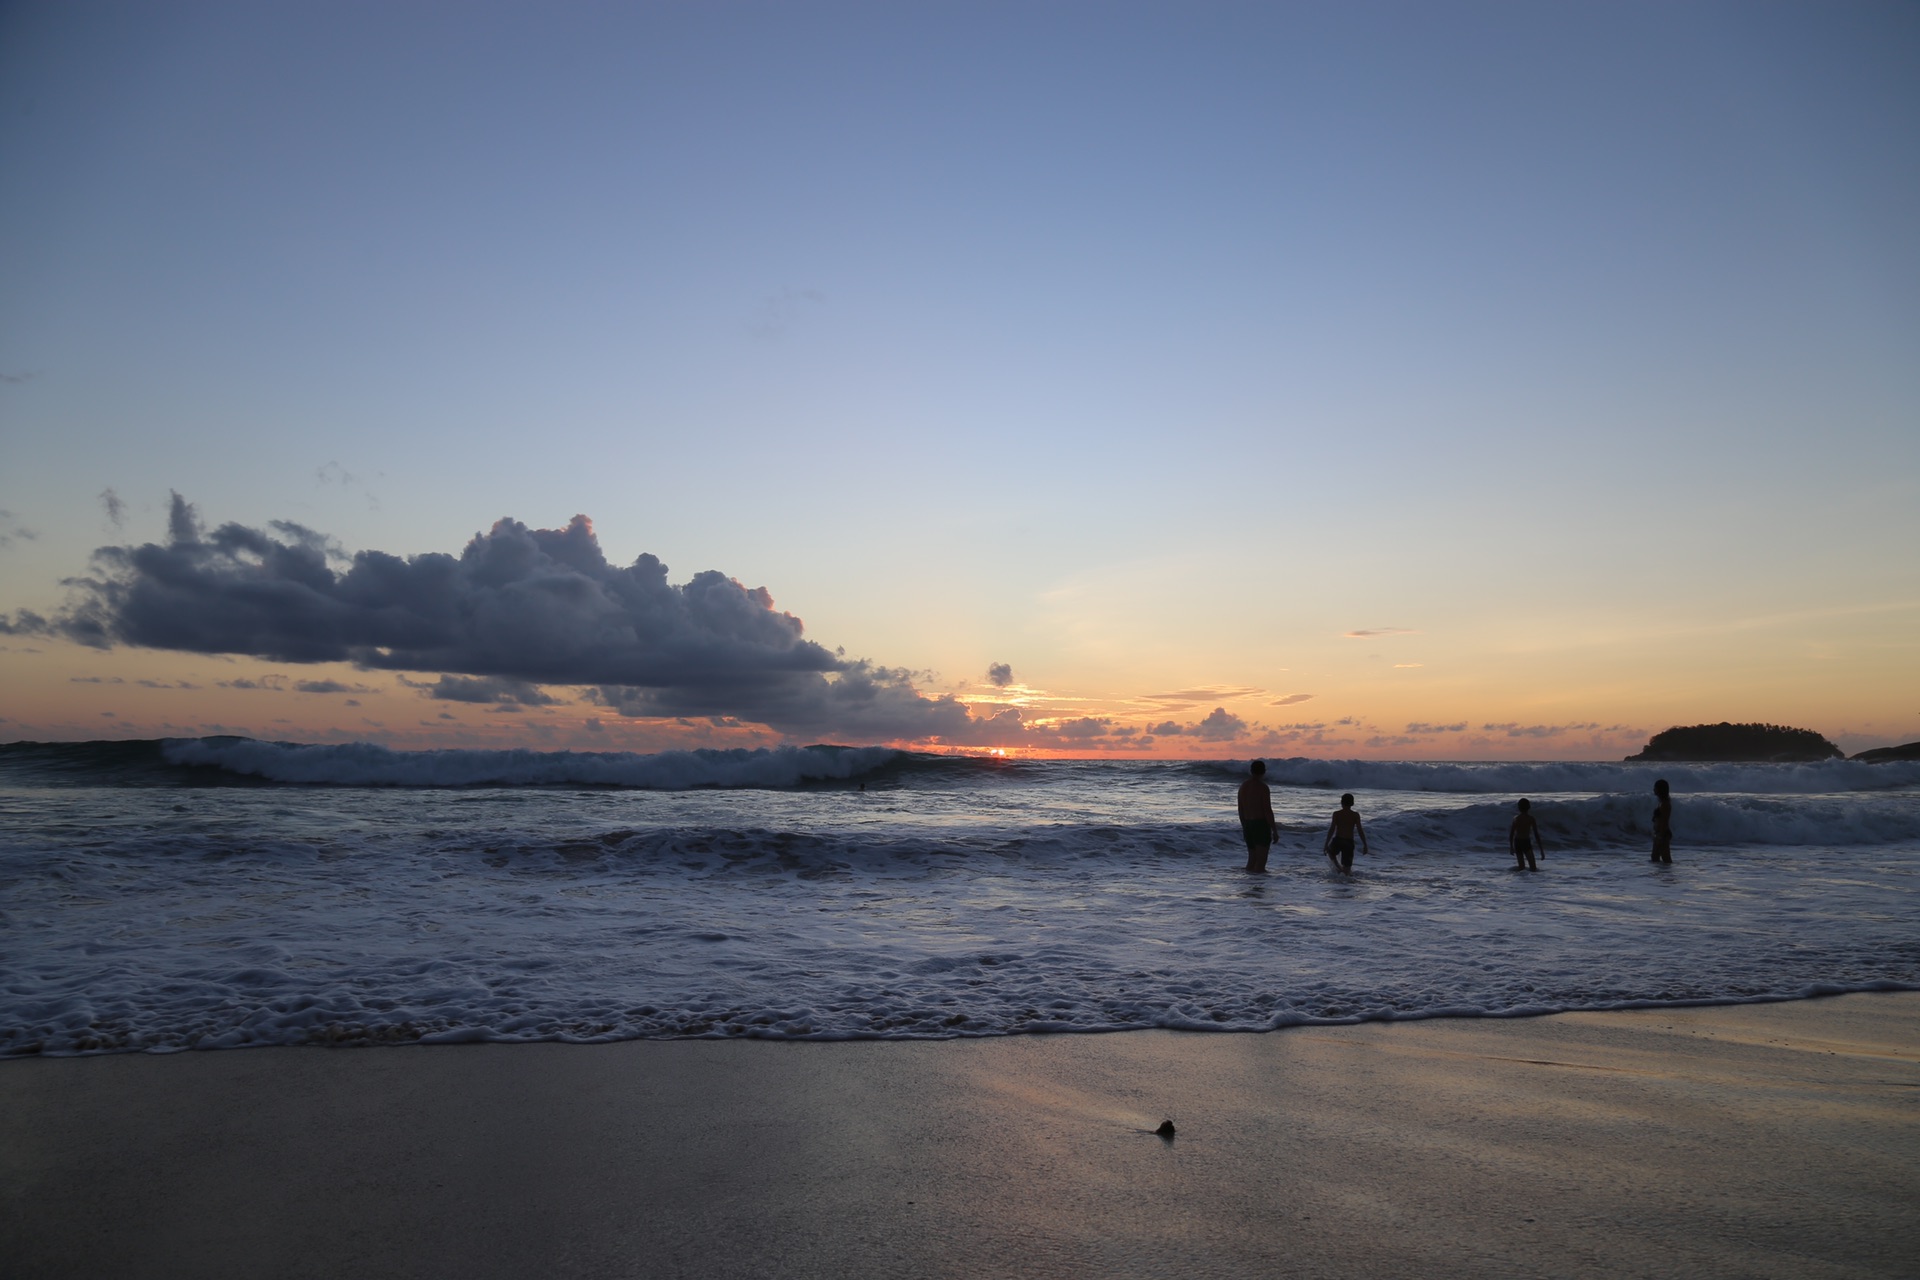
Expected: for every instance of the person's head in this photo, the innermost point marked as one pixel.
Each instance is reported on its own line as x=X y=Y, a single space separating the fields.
x=1525 y=805
x=1660 y=788
x=1259 y=767
x=1346 y=801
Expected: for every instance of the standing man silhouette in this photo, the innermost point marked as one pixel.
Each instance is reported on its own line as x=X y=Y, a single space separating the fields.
x=1257 y=822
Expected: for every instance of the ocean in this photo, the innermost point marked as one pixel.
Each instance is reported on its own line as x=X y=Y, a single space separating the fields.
x=222 y=892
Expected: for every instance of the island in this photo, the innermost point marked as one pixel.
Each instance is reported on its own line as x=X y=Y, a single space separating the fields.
x=1880 y=755
x=1738 y=743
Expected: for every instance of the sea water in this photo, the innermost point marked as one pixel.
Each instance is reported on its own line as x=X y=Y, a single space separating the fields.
x=221 y=892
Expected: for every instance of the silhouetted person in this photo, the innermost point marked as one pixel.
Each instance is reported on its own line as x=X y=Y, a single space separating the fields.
x=1522 y=836
x=1340 y=833
x=1257 y=822
x=1662 y=824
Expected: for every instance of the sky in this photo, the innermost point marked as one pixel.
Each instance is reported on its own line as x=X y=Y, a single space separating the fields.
x=1459 y=380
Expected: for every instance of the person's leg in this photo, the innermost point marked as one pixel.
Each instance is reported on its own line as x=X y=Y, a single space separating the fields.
x=1346 y=857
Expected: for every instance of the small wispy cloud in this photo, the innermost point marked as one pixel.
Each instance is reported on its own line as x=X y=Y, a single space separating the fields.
x=11 y=530
x=779 y=311
x=1515 y=730
x=1406 y=666
x=268 y=683
x=331 y=686
x=1000 y=674
x=1179 y=699
x=1371 y=633
x=1291 y=699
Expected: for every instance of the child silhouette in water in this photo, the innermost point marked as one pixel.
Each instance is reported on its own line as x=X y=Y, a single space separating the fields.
x=1340 y=834
x=1522 y=836
x=1662 y=823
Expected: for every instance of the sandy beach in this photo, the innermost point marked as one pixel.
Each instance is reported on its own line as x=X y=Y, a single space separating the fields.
x=1757 y=1140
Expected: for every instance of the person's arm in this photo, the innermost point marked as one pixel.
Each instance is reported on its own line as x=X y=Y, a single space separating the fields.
x=1361 y=827
x=1326 y=845
x=1539 y=839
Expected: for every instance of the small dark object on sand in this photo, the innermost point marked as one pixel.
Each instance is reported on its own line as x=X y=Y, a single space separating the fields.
x=1166 y=1129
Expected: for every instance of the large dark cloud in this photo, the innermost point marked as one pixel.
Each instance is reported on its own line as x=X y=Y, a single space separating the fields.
x=518 y=607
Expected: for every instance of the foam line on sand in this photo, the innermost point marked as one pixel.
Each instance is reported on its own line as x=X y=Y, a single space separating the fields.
x=1756 y=1140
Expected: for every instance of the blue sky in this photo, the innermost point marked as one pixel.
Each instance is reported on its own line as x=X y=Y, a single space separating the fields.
x=1146 y=348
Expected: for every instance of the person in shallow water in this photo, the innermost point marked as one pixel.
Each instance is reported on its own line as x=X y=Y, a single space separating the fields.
x=1341 y=832
x=1257 y=822
x=1662 y=823
x=1522 y=836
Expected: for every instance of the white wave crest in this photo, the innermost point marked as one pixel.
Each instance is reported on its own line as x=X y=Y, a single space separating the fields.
x=1521 y=778
x=363 y=764
x=1617 y=821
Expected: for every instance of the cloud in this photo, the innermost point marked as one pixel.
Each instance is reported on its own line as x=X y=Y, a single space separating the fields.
x=1084 y=727
x=95 y=680
x=334 y=473
x=1514 y=730
x=1219 y=726
x=516 y=693
x=162 y=684
x=999 y=675
x=1437 y=728
x=1407 y=666
x=11 y=530
x=1291 y=699
x=779 y=311
x=1368 y=633
x=331 y=686
x=1180 y=699
x=518 y=604
x=268 y=684
x=116 y=509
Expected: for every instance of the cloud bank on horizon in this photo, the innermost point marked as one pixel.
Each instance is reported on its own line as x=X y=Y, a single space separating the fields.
x=519 y=608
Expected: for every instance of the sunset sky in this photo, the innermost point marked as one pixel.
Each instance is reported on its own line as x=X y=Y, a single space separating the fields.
x=1430 y=380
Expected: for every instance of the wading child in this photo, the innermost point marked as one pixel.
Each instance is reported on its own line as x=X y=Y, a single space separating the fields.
x=1522 y=836
x=1341 y=832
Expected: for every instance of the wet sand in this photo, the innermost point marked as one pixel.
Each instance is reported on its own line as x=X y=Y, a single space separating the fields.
x=1757 y=1140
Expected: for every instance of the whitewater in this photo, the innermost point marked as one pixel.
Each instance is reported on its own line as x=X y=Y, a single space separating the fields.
x=222 y=892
